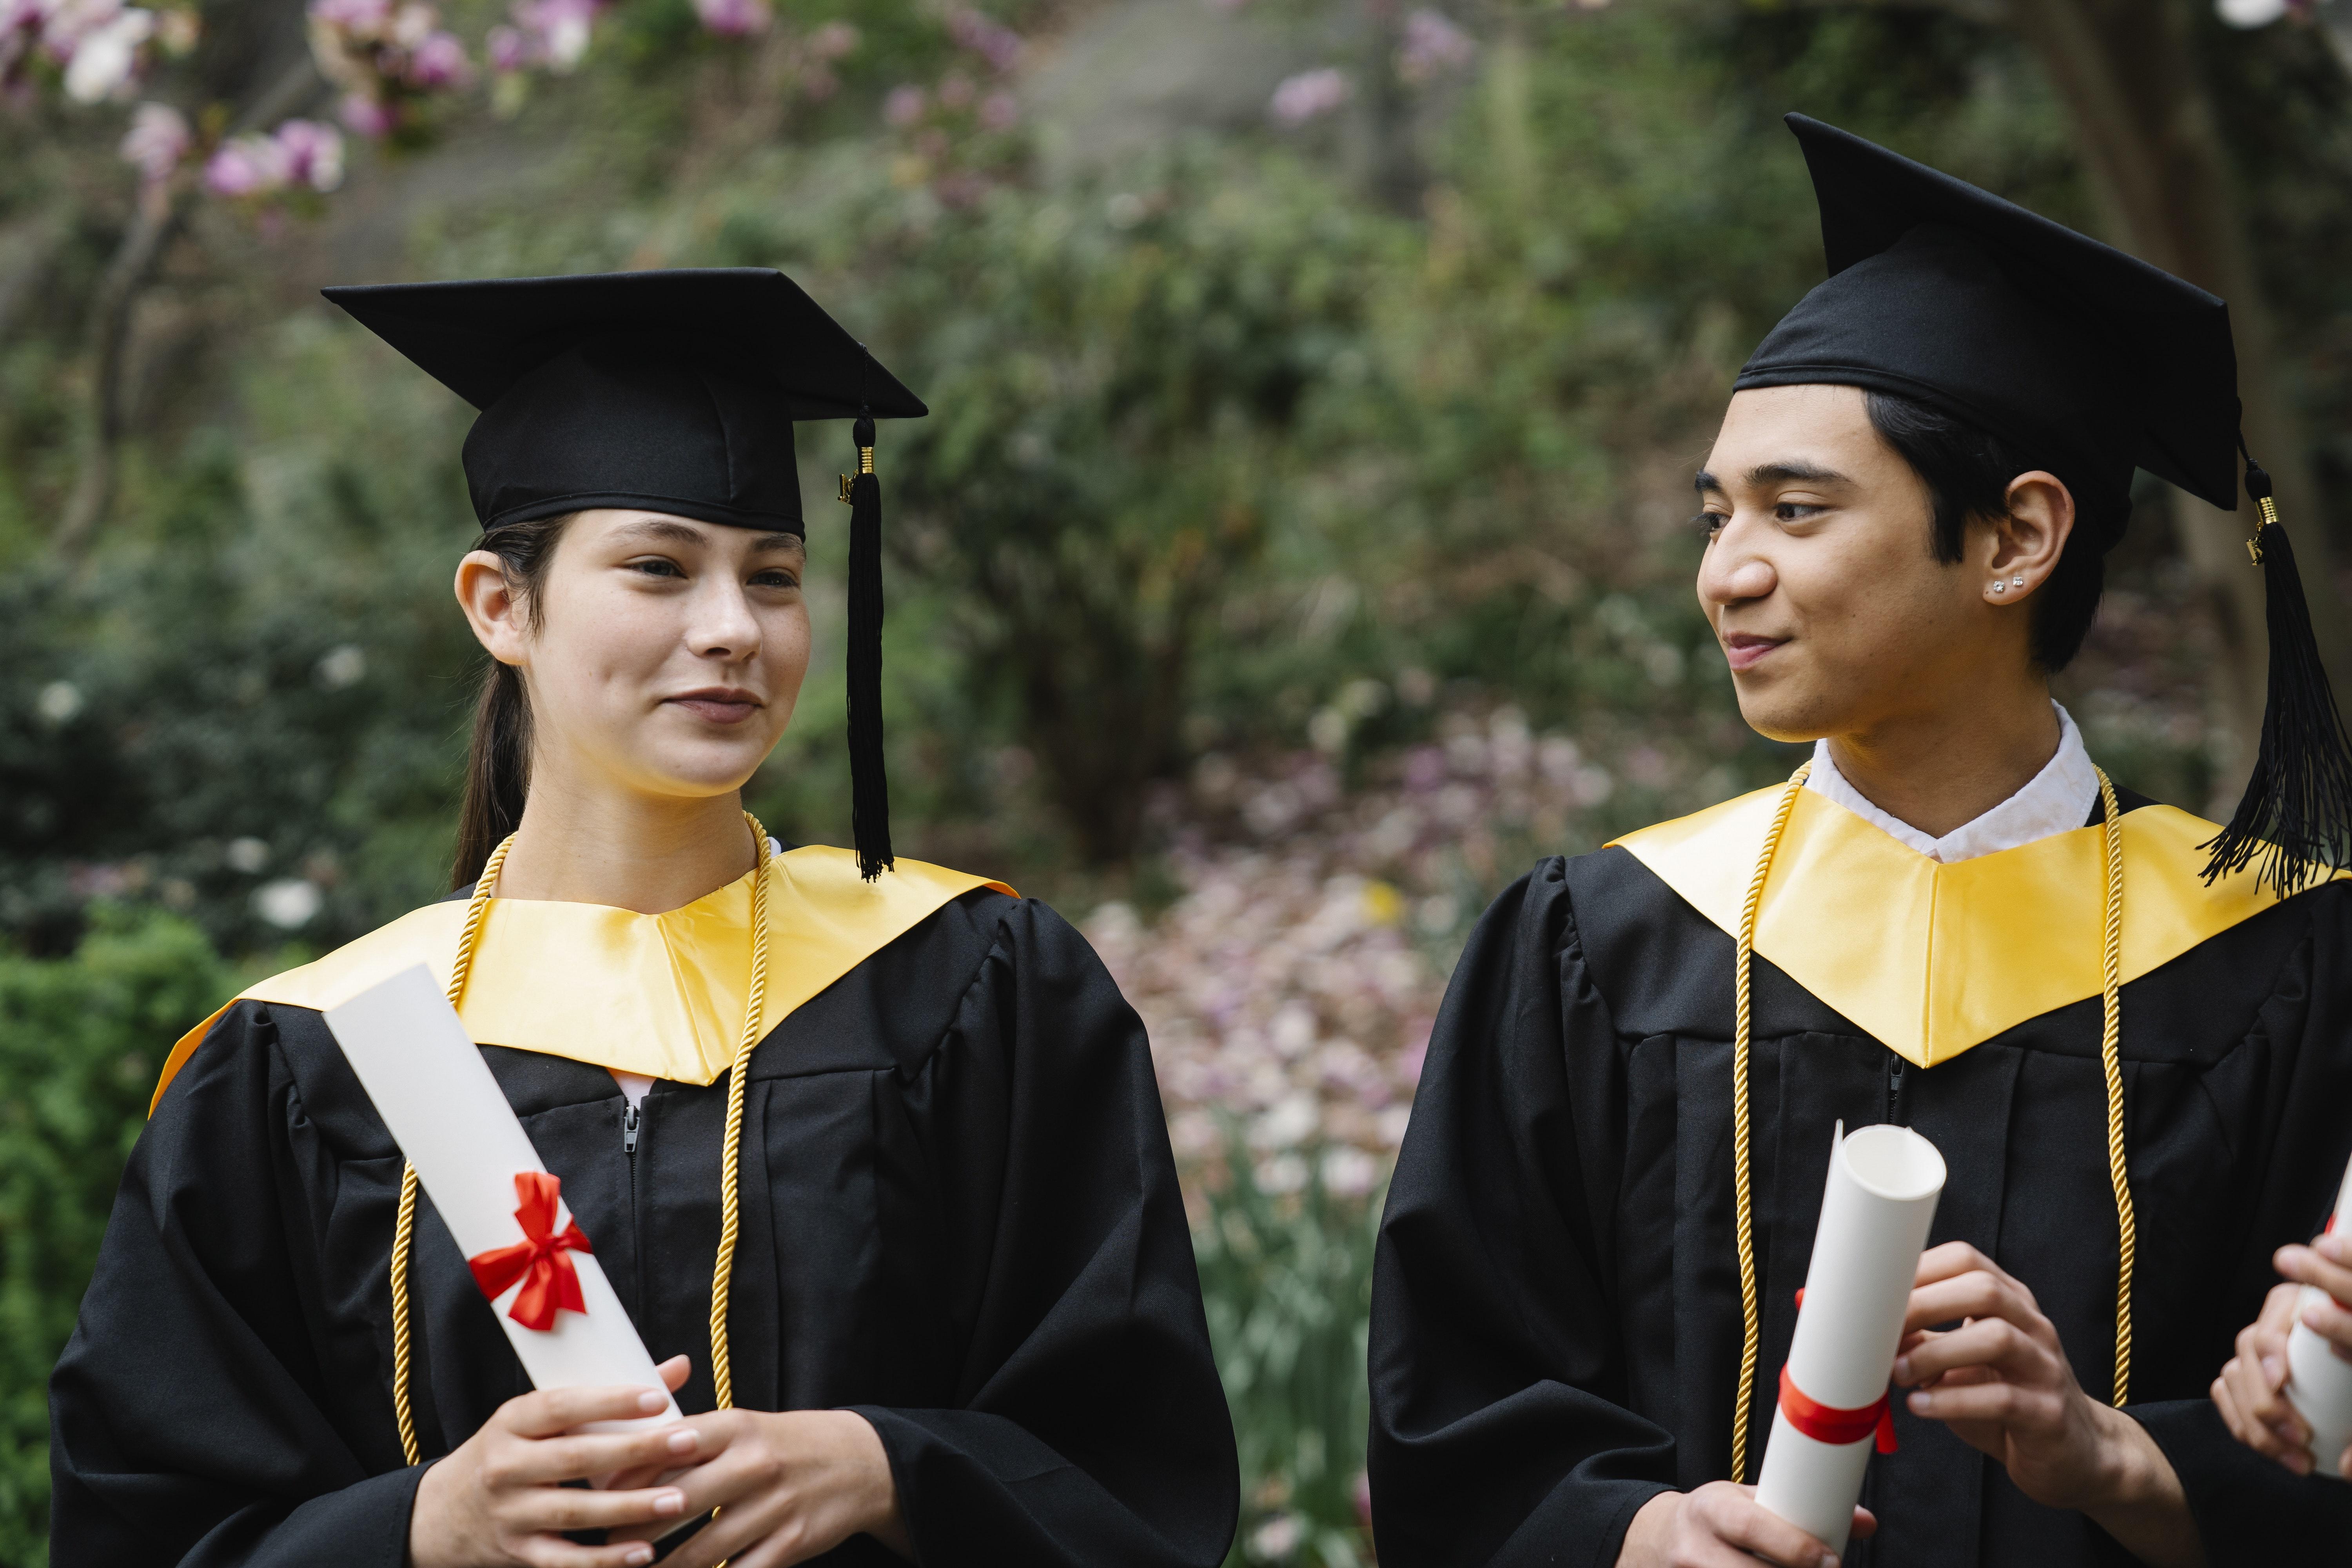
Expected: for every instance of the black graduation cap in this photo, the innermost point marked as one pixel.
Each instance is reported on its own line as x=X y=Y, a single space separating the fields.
x=2098 y=363
x=671 y=391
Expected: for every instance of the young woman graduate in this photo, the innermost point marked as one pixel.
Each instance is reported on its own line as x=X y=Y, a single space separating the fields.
x=2124 y=1028
x=871 y=1148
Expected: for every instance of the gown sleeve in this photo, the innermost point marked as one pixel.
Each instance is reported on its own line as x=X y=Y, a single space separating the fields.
x=1093 y=1428
x=1499 y=1434
x=189 y=1423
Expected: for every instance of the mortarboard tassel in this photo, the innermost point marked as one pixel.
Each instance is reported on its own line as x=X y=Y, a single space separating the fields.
x=869 y=787
x=2296 y=812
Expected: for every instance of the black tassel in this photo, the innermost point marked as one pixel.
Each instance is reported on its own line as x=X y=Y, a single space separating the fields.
x=2296 y=815
x=869 y=787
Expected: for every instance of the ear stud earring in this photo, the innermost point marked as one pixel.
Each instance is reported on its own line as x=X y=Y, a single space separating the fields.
x=2017 y=581
x=1999 y=586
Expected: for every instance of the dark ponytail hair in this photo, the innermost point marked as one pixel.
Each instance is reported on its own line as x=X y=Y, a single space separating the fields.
x=497 y=763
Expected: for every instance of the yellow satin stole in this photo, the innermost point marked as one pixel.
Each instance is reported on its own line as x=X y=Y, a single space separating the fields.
x=1932 y=959
x=658 y=995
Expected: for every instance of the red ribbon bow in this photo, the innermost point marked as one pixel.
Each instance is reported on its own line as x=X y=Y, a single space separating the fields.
x=553 y=1283
x=1828 y=1424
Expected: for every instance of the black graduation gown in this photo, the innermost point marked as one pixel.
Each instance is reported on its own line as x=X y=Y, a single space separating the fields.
x=961 y=1219
x=1556 y=1318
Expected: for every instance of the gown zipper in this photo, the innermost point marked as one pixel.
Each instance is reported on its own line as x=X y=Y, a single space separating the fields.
x=1898 y=1109
x=632 y=1121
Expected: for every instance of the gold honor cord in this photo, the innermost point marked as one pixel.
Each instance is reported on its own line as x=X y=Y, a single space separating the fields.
x=722 y=1373
x=404 y=1227
x=2111 y=1037
x=1743 y=1221
x=2110 y=1056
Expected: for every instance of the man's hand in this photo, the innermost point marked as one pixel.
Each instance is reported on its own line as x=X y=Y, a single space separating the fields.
x=2002 y=1383
x=1721 y=1526
x=498 y=1499
x=788 y=1486
x=2248 y=1391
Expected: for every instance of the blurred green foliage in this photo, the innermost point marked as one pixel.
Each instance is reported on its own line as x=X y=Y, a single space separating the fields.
x=1287 y=1278
x=81 y=1039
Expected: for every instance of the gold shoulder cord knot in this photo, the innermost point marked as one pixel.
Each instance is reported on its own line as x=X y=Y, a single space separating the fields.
x=729 y=1186
x=864 y=466
x=2110 y=1058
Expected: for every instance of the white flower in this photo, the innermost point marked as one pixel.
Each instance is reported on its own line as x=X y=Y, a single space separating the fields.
x=106 y=56
x=287 y=903
x=1349 y=1173
x=60 y=701
x=342 y=665
x=2250 y=13
x=1276 y=1539
x=158 y=139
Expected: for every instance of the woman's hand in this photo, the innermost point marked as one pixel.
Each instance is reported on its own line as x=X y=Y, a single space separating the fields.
x=787 y=1486
x=2002 y=1383
x=498 y=1500
x=1721 y=1526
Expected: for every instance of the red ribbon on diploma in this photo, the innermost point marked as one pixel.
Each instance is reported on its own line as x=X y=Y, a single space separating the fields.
x=553 y=1283
x=1828 y=1424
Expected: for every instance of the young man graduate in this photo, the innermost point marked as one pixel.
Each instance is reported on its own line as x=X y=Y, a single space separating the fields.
x=2117 y=1022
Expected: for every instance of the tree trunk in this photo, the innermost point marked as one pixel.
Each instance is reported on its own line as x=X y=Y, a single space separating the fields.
x=2144 y=118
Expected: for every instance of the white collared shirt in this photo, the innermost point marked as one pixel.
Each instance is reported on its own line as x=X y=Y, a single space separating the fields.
x=2058 y=799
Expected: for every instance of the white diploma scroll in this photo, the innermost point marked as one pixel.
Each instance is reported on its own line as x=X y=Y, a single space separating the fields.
x=2318 y=1384
x=1876 y=1210
x=450 y=1118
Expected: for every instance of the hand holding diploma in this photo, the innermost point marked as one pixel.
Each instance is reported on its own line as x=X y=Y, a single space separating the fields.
x=501 y=1498
x=2002 y=1380
x=2288 y=1391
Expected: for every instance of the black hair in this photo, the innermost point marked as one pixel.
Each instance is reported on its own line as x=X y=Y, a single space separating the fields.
x=497 y=763
x=1967 y=472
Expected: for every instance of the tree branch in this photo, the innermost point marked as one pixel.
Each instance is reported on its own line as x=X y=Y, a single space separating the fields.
x=163 y=211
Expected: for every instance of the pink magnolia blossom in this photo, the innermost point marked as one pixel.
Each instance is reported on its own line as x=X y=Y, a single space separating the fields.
x=365 y=116
x=905 y=105
x=246 y=166
x=507 y=49
x=312 y=153
x=439 y=60
x=1310 y=94
x=159 y=138
x=999 y=110
x=557 y=30
x=956 y=90
x=412 y=24
x=362 y=19
x=1433 y=46
x=733 y=18
x=105 y=58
